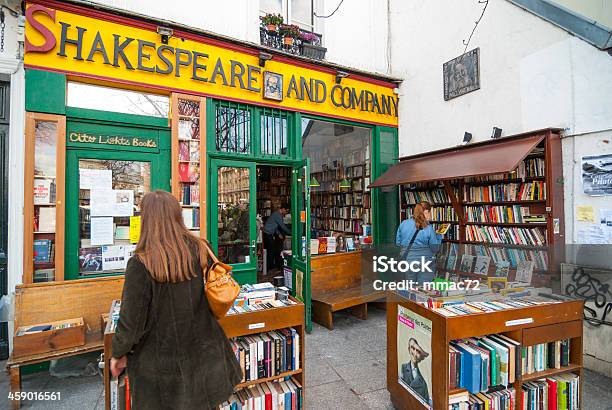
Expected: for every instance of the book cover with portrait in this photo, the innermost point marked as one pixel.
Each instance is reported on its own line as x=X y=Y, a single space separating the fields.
x=414 y=354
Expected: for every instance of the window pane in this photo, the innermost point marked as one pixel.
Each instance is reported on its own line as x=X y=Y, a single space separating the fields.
x=234 y=216
x=233 y=128
x=271 y=6
x=301 y=13
x=45 y=140
x=110 y=193
x=117 y=100
x=339 y=178
x=274 y=132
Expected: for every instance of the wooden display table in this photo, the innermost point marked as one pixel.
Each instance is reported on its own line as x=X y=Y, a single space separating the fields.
x=528 y=326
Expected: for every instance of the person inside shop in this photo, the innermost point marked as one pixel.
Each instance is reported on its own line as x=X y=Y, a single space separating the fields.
x=274 y=232
x=176 y=353
x=418 y=239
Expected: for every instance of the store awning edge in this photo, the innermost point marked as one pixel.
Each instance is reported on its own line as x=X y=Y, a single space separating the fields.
x=495 y=158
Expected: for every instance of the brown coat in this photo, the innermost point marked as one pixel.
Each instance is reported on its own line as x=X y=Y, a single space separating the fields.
x=178 y=355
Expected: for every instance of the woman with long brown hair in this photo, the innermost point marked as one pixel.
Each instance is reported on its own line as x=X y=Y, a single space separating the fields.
x=419 y=241
x=176 y=353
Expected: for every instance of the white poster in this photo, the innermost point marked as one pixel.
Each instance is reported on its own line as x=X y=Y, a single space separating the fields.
x=42 y=191
x=129 y=252
x=113 y=257
x=112 y=202
x=597 y=174
x=102 y=232
x=95 y=179
x=414 y=354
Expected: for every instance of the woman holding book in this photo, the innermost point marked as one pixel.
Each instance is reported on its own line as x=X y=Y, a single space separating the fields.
x=176 y=353
x=419 y=242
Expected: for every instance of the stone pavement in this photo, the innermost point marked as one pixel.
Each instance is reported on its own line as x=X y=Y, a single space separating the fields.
x=345 y=369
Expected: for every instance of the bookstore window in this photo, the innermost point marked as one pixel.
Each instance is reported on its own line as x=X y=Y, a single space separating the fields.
x=96 y=97
x=45 y=150
x=339 y=180
x=107 y=229
x=232 y=128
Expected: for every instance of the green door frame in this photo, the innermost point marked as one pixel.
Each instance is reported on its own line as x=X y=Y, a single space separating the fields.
x=300 y=260
x=115 y=124
x=243 y=272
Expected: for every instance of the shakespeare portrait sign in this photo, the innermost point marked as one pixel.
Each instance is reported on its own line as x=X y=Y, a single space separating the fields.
x=462 y=74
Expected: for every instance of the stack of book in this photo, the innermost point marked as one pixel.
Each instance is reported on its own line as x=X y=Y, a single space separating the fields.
x=191 y=217
x=120 y=393
x=560 y=392
x=502 y=399
x=544 y=356
x=285 y=394
x=479 y=364
x=267 y=354
x=506 y=235
x=459 y=308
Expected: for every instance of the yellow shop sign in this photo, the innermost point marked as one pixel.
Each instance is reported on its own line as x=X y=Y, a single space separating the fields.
x=90 y=46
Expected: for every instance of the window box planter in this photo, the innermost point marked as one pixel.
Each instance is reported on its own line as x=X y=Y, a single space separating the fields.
x=313 y=51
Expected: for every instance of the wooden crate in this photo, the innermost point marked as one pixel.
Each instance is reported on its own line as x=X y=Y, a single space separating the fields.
x=49 y=340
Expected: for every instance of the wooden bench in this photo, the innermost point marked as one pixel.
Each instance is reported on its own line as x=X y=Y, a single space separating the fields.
x=337 y=284
x=47 y=302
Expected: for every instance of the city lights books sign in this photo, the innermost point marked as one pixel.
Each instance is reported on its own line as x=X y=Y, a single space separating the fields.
x=414 y=354
x=127 y=51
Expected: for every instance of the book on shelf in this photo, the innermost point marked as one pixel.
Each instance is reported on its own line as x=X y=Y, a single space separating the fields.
x=502 y=268
x=482 y=363
x=314 y=246
x=267 y=354
x=119 y=393
x=183 y=151
x=524 y=271
x=43 y=251
x=191 y=217
x=434 y=196
x=481 y=264
x=44 y=275
x=194 y=151
x=188 y=172
x=497 y=214
x=483 y=305
x=285 y=394
x=558 y=392
x=526 y=191
x=544 y=356
x=45 y=220
x=500 y=399
x=44 y=191
x=508 y=235
x=467 y=263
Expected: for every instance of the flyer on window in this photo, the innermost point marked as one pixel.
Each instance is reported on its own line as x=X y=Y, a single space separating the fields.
x=414 y=354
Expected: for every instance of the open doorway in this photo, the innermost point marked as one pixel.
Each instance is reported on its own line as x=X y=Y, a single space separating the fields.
x=273 y=220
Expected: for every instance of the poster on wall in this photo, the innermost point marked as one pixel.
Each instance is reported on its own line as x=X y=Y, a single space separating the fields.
x=461 y=74
x=597 y=174
x=414 y=354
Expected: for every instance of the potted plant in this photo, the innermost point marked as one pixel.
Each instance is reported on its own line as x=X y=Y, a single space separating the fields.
x=289 y=32
x=272 y=21
x=308 y=37
x=311 y=46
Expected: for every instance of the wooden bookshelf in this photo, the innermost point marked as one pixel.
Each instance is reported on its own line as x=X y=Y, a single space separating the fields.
x=542 y=165
x=536 y=324
x=189 y=151
x=235 y=326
